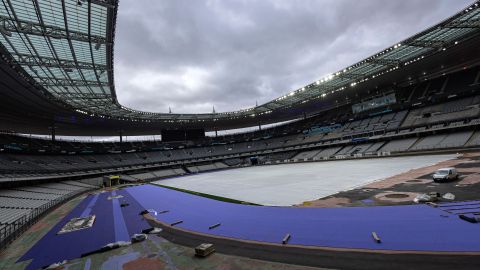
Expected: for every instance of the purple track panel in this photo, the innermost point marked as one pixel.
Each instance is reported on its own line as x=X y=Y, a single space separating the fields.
x=113 y=223
x=413 y=227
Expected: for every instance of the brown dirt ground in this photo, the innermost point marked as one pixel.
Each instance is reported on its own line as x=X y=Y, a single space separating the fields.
x=471 y=176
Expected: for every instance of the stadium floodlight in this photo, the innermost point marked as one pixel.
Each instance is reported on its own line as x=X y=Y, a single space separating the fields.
x=4 y=31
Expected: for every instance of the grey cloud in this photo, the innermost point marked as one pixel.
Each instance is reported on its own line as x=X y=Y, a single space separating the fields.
x=191 y=55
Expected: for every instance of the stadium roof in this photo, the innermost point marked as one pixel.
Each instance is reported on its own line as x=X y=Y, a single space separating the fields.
x=66 y=49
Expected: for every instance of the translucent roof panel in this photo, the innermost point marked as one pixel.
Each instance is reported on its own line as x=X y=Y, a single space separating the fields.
x=67 y=48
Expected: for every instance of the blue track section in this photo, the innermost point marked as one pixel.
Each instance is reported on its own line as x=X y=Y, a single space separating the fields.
x=90 y=205
x=121 y=232
x=414 y=227
x=111 y=223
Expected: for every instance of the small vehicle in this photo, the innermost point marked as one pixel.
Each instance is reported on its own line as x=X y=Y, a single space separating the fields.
x=204 y=250
x=445 y=174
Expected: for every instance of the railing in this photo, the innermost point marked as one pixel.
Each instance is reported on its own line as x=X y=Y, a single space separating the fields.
x=14 y=229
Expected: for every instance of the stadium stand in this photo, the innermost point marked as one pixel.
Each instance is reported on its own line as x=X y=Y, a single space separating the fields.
x=393 y=102
x=22 y=206
x=374 y=148
x=398 y=145
x=158 y=174
x=428 y=142
x=460 y=109
x=328 y=153
x=474 y=140
x=306 y=155
x=443 y=117
x=455 y=140
x=207 y=167
x=29 y=163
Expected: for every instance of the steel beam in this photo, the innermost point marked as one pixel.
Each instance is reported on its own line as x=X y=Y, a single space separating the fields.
x=473 y=23
x=105 y=3
x=35 y=28
x=30 y=60
x=385 y=62
x=348 y=75
x=46 y=82
x=437 y=44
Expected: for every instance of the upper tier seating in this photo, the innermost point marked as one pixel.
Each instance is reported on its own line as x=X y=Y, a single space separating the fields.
x=308 y=134
x=390 y=121
x=449 y=111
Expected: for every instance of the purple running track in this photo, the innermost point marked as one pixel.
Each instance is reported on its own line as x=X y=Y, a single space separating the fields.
x=411 y=227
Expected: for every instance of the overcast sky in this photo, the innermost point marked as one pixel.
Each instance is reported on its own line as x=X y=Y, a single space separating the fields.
x=191 y=55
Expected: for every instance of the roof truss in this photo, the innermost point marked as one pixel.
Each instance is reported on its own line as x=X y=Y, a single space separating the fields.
x=427 y=43
x=384 y=62
x=37 y=29
x=50 y=82
x=31 y=60
x=471 y=23
x=76 y=35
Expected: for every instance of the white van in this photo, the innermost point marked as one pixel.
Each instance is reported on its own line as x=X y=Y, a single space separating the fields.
x=445 y=174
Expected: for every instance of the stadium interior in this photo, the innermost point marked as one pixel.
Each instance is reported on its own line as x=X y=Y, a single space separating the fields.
x=416 y=98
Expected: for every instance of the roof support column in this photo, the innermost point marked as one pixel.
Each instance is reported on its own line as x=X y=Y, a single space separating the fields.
x=52 y=133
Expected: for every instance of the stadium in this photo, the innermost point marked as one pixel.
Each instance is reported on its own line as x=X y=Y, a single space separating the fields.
x=342 y=173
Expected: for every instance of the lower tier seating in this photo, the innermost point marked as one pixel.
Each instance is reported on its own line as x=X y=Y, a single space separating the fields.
x=21 y=206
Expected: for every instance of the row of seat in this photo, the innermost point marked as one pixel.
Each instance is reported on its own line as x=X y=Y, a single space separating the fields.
x=458 y=109
x=441 y=141
x=17 y=163
x=20 y=205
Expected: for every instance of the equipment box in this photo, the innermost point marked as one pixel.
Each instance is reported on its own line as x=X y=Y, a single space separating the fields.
x=204 y=250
